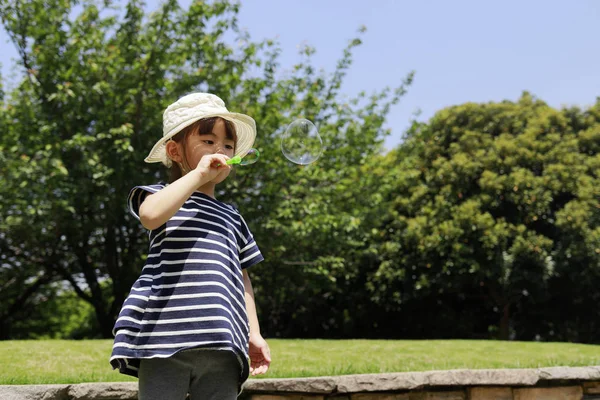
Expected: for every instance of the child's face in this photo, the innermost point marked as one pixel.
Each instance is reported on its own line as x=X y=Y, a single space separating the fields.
x=216 y=142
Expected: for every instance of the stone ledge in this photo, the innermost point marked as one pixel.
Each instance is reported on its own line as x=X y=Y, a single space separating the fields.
x=448 y=384
x=80 y=391
x=421 y=380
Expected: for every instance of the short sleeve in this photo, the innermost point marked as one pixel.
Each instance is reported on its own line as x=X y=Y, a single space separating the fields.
x=249 y=252
x=138 y=194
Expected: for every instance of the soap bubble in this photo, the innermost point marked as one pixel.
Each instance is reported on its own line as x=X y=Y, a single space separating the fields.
x=250 y=157
x=301 y=143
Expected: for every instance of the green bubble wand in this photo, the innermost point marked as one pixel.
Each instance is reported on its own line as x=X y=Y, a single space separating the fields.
x=249 y=158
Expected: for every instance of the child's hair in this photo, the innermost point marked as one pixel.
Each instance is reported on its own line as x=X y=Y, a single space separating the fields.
x=200 y=127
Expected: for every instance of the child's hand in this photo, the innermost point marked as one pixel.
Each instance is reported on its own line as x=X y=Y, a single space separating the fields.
x=260 y=355
x=213 y=167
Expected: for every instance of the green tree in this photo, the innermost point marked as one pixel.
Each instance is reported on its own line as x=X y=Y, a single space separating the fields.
x=58 y=314
x=90 y=106
x=493 y=219
x=307 y=217
x=91 y=101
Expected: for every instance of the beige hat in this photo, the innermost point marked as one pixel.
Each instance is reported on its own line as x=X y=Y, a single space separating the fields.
x=194 y=107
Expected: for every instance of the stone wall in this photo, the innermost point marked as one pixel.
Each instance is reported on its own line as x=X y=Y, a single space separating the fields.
x=564 y=383
x=498 y=384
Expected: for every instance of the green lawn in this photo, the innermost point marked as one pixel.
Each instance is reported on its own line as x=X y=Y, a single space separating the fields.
x=60 y=361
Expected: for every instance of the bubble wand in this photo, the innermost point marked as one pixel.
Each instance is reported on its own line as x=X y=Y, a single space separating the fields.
x=249 y=158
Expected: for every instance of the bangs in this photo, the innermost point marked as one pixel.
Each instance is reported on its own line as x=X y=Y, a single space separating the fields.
x=205 y=127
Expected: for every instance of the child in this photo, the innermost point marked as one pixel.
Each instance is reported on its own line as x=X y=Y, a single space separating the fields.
x=189 y=323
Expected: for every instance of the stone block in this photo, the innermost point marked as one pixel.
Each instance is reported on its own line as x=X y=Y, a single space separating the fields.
x=381 y=382
x=453 y=395
x=487 y=377
x=104 y=391
x=379 y=396
x=569 y=373
x=318 y=385
x=550 y=393
x=286 y=397
x=34 y=392
x=591 y=387
x=490 y=393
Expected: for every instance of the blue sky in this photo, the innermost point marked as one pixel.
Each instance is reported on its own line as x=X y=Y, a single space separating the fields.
x=461 y=50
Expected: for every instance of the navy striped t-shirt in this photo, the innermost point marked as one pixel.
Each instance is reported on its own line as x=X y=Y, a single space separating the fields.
x=191 y=292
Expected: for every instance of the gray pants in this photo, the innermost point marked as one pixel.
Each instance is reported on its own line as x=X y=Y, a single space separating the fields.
x=205 y=374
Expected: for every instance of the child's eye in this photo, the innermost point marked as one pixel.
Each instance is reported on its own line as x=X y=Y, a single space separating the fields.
x=229 y=147
x=208 y=142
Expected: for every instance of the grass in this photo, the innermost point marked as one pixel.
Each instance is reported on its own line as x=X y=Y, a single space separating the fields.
x=61 y=361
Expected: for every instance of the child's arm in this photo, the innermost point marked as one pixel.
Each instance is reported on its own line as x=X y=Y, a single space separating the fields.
x=158 y=208
x=260 y=355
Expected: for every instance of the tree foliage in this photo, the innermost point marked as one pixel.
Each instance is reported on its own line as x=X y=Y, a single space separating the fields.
x=493 y=220
x=97 y=79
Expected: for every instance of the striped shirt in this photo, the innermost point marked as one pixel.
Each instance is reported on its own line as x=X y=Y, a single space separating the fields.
x=190 y=293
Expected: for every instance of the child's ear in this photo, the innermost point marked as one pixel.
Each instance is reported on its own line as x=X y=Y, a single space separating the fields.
x=173 y=151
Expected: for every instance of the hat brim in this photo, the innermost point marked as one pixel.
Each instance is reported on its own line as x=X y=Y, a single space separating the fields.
x=245 y=128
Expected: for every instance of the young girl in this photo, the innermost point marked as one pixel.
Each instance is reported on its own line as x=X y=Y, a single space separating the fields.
x=189 y=324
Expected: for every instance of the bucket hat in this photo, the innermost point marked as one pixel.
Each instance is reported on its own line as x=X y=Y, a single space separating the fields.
x=194 y=107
